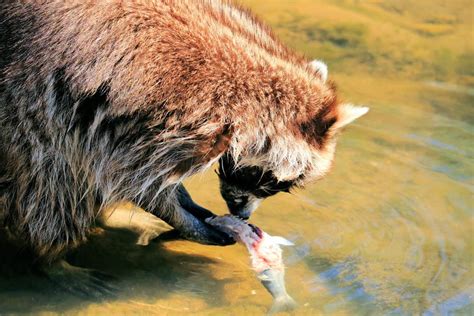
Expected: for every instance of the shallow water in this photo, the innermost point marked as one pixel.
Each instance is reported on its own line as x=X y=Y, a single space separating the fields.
x=389 y=231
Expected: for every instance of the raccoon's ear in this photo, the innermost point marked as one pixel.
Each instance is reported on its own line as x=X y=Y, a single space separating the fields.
x=321 y=68
x=347 y=113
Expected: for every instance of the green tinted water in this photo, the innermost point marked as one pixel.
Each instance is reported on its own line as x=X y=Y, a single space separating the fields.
x=388 y=232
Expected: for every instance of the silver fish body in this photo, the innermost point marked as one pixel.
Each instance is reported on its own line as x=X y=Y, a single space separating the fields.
x=265 y=253
x=274 y=281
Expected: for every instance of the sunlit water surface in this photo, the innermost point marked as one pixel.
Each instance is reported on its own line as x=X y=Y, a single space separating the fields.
x=388 y=232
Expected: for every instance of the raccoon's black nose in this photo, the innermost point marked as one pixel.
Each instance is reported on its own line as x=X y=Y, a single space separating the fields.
x=241 y=213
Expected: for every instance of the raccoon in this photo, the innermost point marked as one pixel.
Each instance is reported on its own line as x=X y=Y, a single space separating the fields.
x=109 y=101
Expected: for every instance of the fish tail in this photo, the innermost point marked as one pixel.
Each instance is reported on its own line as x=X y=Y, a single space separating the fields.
x=281 y=304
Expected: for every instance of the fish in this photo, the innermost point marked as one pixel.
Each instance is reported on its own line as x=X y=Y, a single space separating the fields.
x=265 y=254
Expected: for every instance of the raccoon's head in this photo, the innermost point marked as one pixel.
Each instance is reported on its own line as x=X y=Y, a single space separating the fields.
x=243 y=188
x=291 y=157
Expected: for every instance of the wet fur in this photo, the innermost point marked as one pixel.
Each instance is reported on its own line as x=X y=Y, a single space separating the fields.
x=104 y=101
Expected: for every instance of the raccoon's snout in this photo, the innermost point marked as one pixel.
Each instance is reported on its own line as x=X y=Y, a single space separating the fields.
x=243 y=214
x=240 y=202
x=238 y=207
x=242 y=207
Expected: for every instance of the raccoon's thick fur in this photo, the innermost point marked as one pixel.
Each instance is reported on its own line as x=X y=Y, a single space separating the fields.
x=104 y=101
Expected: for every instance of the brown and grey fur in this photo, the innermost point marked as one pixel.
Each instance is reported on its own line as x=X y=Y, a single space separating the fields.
x=105 y=101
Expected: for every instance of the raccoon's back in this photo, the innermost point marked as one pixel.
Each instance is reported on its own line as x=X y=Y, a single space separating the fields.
x=14 y=28
x=143 y=53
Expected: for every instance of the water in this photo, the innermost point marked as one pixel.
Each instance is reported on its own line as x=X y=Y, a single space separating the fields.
x=388 y=232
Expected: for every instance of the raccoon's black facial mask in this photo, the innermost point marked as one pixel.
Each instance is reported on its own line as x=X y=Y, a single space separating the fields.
x=243 y=188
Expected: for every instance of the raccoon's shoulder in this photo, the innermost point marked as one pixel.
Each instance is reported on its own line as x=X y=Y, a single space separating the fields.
x=245 y=24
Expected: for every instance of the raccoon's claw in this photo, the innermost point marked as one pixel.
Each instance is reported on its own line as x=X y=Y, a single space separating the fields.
x=84 y=283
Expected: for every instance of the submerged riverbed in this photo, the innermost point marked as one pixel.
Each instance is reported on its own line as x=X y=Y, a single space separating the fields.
x=388 y=232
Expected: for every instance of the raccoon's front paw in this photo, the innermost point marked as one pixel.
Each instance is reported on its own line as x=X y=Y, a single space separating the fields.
x=205 y=235
x=216 y=237
x=85 y=283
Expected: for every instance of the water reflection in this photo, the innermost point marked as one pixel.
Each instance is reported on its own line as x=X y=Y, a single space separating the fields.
x=389 y=232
